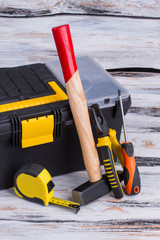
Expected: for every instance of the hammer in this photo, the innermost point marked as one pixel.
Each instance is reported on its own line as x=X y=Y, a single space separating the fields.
x=97 y=185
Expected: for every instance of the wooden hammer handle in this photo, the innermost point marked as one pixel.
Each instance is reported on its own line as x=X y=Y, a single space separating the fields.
x=77 y=101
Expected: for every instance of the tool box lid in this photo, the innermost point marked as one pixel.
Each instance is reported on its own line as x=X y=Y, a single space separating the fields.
x=99 y=86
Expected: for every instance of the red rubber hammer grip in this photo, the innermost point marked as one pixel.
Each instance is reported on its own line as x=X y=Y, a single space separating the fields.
x=63 y=40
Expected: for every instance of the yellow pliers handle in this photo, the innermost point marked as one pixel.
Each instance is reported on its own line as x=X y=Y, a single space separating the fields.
x=117 y=148
x=105 y=152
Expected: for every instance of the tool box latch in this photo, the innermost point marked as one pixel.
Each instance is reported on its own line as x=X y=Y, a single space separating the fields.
x=37 y=131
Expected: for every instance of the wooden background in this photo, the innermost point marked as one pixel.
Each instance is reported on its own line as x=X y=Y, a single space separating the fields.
x=116 y=34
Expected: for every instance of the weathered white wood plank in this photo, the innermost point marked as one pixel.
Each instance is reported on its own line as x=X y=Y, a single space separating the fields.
x=130 y=217
x=145 y=90
x=44 y=7
x=143 y=119
x=25 y=41
x=113 y=43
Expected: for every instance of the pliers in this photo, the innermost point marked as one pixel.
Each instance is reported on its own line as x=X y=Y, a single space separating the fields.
x=106 y=141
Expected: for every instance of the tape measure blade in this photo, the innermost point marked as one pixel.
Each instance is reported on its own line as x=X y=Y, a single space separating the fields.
x=65 y=203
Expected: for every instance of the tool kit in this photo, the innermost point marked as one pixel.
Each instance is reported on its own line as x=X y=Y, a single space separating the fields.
x=36 y=123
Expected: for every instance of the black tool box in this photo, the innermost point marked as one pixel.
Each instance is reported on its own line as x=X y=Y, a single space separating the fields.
x=36 y=123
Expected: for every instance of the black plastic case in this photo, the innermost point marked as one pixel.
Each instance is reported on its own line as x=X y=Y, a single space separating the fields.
x=63 y=154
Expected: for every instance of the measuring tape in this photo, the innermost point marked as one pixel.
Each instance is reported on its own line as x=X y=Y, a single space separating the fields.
x=34 y=182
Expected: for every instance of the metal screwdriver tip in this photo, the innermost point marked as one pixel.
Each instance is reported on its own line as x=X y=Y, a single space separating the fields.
x=122 y=113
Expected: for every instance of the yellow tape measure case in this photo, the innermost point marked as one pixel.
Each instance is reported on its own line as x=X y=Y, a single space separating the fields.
x=36 y=124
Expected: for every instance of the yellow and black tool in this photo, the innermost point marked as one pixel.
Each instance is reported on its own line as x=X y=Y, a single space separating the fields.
x=34 y=182
x=105 y=149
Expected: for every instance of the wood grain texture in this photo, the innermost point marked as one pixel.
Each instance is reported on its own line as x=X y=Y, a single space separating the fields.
x=112 y=43
x=111 y=46
x=80 y=113
x=130 y=8
x=143 y=119
x=133 y=217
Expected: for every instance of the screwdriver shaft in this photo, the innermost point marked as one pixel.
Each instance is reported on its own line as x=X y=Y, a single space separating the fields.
x=123 y=120
x=131 y=174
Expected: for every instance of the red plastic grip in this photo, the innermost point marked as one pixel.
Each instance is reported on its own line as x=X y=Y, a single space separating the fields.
x=63 y=41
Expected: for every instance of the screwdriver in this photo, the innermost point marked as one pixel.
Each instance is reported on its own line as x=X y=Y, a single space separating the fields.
x=131 y=174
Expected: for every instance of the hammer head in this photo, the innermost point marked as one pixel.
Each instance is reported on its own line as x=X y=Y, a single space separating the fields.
x=90 y=191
